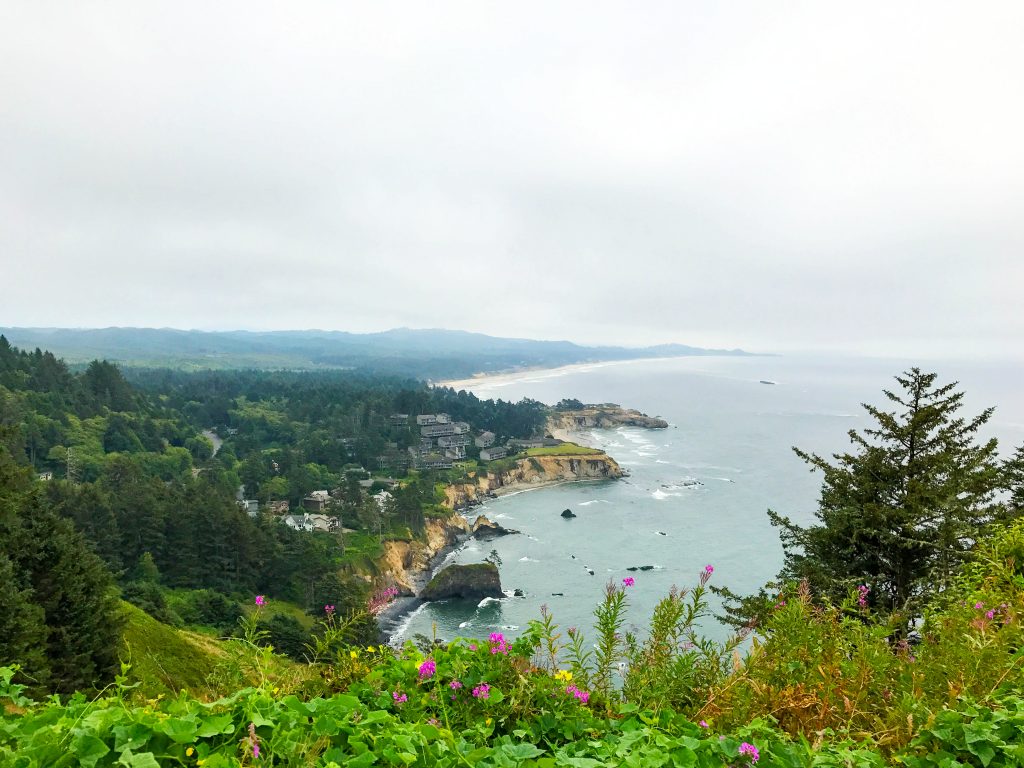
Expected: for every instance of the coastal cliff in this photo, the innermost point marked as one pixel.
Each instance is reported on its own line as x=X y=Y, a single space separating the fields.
x=604 y=416
x=406 y=564
x=533 y=472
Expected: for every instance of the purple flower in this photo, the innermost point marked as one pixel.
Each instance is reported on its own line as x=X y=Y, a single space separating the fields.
x=703 y=723
x=482 y=691
x=256 y=751
x=750 y=751
x=261 y=601
x=455 y=685
x=709 y=569
x=862 y=595
x=990 y=614
x=978 y=606
x=427 y=669
x=499 y=643
x=400 y=698
x=329 y=610
x=472 y=647
x=629 y=581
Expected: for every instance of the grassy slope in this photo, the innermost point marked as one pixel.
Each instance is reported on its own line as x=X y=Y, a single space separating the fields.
x=165 y=660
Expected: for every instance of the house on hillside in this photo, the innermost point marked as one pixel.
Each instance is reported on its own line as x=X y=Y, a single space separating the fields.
x=278 y=507
x=317 y=501
x=251 y=507
x=485 y=440
x=491 y=454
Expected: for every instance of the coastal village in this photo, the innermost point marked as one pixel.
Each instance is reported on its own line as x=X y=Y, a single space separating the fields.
x=472 y=462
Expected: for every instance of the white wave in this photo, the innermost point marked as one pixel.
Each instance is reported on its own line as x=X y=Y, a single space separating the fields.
x=403 y=627
x=510 y=627
x=724 y=479
x=465 y=624
x=488 y=601
x=593 y=501
x=660 y=495
x=528 y=560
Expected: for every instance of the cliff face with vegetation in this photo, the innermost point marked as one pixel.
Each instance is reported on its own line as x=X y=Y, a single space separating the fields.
x=607 y=416
x=405 y=564
x=533 y=472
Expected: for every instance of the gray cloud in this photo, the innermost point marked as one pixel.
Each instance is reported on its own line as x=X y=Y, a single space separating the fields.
x=764 y=175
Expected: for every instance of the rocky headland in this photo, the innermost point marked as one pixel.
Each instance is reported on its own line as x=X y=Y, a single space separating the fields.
x=532 y=472
x=602 y=416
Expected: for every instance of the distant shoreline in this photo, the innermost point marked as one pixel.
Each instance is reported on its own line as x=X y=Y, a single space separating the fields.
x=512 y=375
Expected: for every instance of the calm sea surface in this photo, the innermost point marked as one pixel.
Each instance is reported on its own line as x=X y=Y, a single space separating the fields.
x=698 y=491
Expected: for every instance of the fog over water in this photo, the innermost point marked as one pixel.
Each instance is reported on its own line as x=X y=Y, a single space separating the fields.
x=697 y=491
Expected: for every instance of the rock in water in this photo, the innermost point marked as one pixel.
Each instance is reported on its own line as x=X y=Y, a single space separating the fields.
x=473 y=582
x=568 y=513
x=518 y=593
x=486 y=529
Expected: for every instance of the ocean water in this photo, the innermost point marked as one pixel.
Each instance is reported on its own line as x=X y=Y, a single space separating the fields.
x=697 y=492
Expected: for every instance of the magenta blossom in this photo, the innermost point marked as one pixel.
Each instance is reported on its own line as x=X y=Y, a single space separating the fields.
x=455 y=685
x=427 y=669
x=260 y=601
x=978 y=606
x=862 y=595
x=750 y=751
x=582 y=696
x=329 y=610
x=400 y=698
x=709 y=569
x=629 y=581
x=703 y=723
x=482 y=691
x=472 y=647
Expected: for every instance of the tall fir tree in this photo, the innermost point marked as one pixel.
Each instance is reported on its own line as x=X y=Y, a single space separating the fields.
x=63 y=621
x=900 y=513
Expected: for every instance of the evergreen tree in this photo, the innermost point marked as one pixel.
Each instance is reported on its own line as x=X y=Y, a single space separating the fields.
x=53 y=570
x=1013 y=471
x=901 y=512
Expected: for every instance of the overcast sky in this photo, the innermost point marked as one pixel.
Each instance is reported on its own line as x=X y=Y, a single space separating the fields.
x=770 y=175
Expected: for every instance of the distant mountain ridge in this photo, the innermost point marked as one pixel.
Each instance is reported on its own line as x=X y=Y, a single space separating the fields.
x=421 y=353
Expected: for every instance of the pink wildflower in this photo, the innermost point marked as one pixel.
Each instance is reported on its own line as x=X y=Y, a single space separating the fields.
x=472 y=647
x=482 y=691
x=455 y=685
x=400 y=698
x=978 y=606
x=709 y=569
x=499 y=643
x=862 y=595
x=703 y=723
x=260 y=601
x=379 y=601
x=629 y=581
x=990 y=614
x=329 y=610
x=427 y=669
x=750 y=751
x=254 y=741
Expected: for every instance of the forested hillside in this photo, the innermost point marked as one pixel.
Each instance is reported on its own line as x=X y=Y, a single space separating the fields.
x=126 y=463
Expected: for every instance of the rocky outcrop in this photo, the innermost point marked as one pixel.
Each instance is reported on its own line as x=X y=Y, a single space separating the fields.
x=568 y=513
x=487 y=529
x=605 y=416
x=472 y=582
x=533 y=472
x=404 y=563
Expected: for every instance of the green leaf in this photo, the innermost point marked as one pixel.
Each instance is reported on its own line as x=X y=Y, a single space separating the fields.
x=214 y=725
x=89 y=749
x=141 y=760
x=522 y=751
